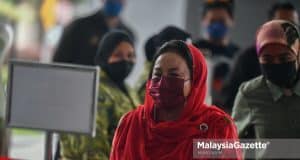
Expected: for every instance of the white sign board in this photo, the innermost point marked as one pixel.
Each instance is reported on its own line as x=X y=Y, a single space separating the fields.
x=52 y=97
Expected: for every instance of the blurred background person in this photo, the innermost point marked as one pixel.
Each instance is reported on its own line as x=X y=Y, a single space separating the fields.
x=6 y=41
x=151 y=47
x=55 y=16
x=22 y=16
x=78 y=43
x=27 y=32
x=116 y=57
x=217 y=21
x=246 y=65
x=268 y=106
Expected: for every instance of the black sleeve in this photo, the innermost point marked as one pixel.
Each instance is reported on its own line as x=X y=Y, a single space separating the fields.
x=65 y=50
x=236 y=77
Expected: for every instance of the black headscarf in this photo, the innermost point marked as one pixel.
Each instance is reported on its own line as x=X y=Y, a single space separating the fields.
x=106 y=47
x=167 y=34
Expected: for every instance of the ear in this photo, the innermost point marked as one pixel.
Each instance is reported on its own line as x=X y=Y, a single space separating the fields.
x=231 y=22
x=204 y=20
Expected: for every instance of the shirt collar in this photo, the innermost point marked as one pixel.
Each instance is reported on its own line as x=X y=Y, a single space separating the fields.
x=296 y=89
x=277 y=92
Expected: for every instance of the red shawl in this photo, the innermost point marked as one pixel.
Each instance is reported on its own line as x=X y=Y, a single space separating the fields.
x=138 y=137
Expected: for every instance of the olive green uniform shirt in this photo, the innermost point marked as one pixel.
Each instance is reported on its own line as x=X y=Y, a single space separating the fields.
x=112 y=104
x=141 y=85
x=2 y=114
x=3 y=133
x=262 y=110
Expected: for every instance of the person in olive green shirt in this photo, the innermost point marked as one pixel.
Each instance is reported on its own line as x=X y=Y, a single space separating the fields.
x=116 y=57
x=2 y=114
x=4 y=133
x=3 y=136
x=151 y=46
x=269 y=105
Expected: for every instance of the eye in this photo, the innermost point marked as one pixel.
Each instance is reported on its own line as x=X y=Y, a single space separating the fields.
x=131 y=55
x=284 y=59
x=267 y=59
x=174 y=74
x=156 y=74
x=118 y=55
x=155 y=79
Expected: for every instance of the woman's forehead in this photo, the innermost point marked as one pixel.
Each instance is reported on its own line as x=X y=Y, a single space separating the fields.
x=170 y=60
x=124 y=45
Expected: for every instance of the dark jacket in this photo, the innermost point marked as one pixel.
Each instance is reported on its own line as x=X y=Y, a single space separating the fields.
x=246 y=67
x=79 y=42
x=220 y=59
x=227 y=51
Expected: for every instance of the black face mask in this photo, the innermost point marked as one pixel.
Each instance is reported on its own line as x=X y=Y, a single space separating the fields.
x=283 y=75
x=118 y=71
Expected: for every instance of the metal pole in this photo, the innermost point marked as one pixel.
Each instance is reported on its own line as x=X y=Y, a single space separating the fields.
x=48 y=148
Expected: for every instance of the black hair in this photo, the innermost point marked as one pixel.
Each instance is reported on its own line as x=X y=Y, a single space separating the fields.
x=107 y=44
x=291 y=31
x=175 y=46
x=228 y=5
x=280 y=6
x=167 y=34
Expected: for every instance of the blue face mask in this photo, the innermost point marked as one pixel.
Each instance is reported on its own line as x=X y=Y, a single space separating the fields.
x=217 y=30
x=113 y=8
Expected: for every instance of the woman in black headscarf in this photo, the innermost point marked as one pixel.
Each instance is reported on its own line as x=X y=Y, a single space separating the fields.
x=116 y=58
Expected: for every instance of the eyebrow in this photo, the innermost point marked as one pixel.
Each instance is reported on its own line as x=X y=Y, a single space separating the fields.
x=173 y=69
x=156 y=68
x=267 y=55
x=284 y=55
x=280 y=55
x=289 y=54
x=133 y=52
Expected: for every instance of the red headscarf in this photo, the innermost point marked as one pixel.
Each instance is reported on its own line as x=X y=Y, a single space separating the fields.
x=139 y=137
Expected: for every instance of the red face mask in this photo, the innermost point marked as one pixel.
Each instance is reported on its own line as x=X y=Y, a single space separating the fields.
x=167 y=92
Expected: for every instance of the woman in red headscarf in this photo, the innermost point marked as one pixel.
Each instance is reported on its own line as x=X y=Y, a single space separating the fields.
x=174 y=113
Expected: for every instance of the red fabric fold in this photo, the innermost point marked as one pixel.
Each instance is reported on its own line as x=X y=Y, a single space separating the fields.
x=139 y=137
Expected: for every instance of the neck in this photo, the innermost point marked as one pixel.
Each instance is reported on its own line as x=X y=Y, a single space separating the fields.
x=112 y=22
x=287 y=92
x=219 y=42
x=162 y=114
x=293 y=82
